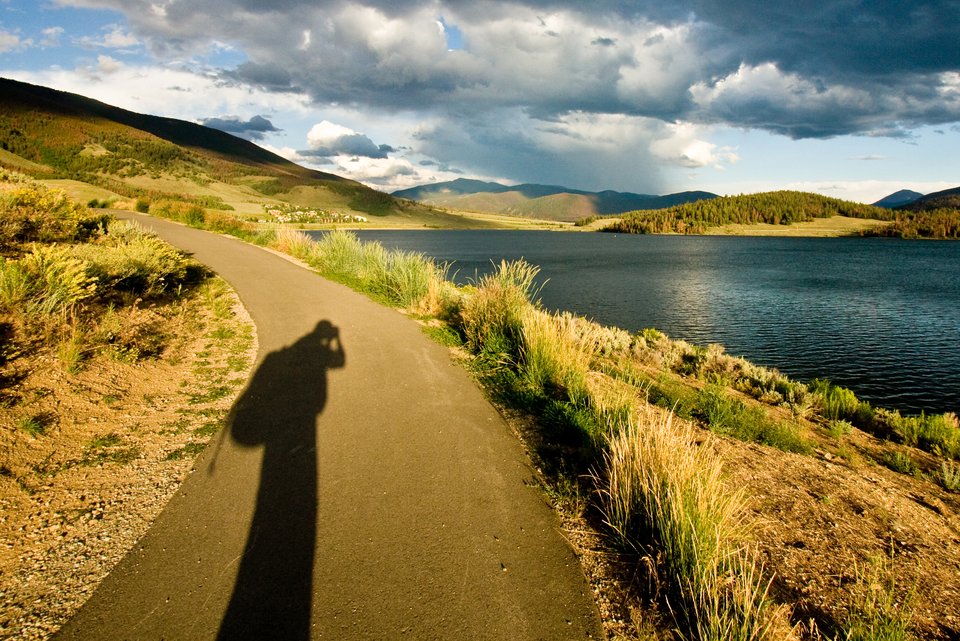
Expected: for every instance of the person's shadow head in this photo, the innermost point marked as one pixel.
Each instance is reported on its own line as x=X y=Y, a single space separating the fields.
x=288 y=390
x=278 y=411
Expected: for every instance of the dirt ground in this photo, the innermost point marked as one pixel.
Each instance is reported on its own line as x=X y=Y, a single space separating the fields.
x=823 y=521
x=88 y=460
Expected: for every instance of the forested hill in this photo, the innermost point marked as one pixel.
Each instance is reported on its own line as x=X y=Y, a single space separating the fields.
x=775 y=208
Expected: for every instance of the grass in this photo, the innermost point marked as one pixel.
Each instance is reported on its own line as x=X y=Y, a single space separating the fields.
x=727 y=415
x=665 y=497
x=108 y=448
x=190 y=450
x=34 y=426
x=878 y=611
x=949 y=476
x=899 y=461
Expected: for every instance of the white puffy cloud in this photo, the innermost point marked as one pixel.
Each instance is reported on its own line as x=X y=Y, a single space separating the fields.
x=12 y=42
x=682 y=146
x=327 y=139
x=114 y=37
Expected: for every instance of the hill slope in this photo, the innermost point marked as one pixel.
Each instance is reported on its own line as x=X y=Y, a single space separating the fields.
x=776 y=208
x=54 y=135
x=946 y=199
x=550 y=202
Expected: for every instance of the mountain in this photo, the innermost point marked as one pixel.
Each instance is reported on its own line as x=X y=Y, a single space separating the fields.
x=550 y=202
x=946 y=199
x=89 y=147
x=898 y=199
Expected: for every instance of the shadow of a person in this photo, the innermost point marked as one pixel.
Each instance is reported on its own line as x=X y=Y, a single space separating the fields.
x=278 y=411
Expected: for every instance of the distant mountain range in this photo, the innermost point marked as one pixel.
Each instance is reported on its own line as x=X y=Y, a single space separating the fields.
x=550 y=202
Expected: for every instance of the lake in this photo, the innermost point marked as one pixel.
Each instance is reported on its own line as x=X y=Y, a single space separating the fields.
x=879 y=316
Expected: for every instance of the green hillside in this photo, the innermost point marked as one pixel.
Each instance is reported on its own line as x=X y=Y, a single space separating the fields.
x=772 y=208
x=72 y=141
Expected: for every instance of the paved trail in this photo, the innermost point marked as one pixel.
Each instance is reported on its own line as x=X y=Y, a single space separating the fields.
x=362 y=489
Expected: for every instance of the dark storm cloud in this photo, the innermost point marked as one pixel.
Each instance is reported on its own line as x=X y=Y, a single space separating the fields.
x=254 y=129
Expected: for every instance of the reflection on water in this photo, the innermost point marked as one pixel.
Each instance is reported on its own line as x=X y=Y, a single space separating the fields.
x=879 y=316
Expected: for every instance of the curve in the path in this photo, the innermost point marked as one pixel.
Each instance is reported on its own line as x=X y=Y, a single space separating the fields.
x=363 y=489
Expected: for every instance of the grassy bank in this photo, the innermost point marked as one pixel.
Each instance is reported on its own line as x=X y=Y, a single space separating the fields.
x=625 y=420
x=627 y=411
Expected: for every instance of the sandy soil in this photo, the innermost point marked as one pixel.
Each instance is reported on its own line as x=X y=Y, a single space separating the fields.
x=118 y=438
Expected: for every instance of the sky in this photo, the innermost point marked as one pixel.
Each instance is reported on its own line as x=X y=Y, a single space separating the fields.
x=854 y=99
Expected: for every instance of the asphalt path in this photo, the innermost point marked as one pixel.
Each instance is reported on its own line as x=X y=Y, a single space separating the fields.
x=363 y=488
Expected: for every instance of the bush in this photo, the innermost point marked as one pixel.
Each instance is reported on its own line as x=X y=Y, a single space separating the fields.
x=37 y=214
x=129 y=260
x=899 y=462
x=492 y=318
x=835 y=402
x=46 y=281
x=949 y=476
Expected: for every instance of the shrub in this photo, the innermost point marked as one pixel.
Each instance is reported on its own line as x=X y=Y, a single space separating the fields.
x=949 y=476
x=835 y=401
x=899 y=462
x=492 y=317
x=130 y=260
x=38 y=214
x=142 y=206
x=839 y=428
x=45 y=281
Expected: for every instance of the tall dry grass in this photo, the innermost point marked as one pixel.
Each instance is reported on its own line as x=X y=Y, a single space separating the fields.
x=663 y=494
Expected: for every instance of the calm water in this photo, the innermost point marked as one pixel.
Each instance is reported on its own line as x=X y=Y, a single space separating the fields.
x=879 y=316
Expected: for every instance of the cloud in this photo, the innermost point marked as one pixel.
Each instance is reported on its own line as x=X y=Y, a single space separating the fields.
x=115 y=37
x=510 y=87
x=253 y=129
x=51 y=36
x=327 y=140
x=12 y=42
x=172 y=91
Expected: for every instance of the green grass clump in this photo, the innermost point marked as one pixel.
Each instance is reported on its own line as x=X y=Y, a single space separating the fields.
x=724 y=414
x=33 y=425
x=109 y=448
x=949 y=476
x=877 y=611
x=190 y=450
x=900 y=462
